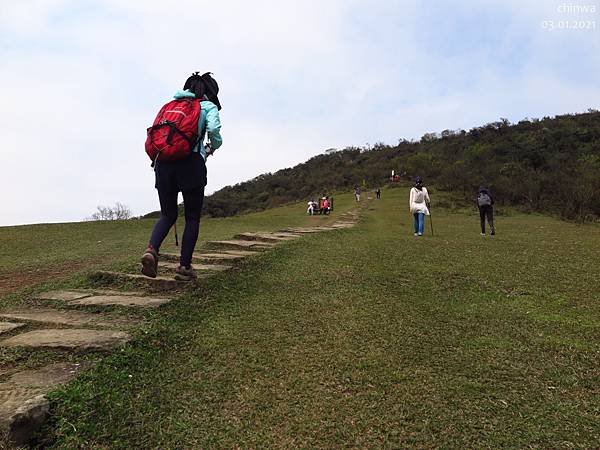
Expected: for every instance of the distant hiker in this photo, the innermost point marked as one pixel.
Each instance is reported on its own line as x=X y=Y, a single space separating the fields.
x=378 y=193
x=311 y=207
x=485 y=203
x=176 y=145
x=419 y=199
x=325 y=206
x=357 y=193
x=330 y=203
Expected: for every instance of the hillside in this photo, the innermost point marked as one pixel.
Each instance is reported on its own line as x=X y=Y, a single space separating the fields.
x=366 y=337
x=547 y=165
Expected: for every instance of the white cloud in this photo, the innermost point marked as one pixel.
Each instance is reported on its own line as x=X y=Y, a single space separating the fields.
x=84 y=80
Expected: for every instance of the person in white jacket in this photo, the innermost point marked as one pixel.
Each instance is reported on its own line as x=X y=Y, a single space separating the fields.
x=419 y=199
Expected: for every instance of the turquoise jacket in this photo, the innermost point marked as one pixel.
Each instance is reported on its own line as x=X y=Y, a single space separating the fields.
x=209 y=124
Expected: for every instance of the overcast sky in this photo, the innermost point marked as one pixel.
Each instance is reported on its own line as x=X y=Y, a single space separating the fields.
x=80 y=81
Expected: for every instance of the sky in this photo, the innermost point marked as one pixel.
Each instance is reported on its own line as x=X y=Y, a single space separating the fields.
x=81 y=80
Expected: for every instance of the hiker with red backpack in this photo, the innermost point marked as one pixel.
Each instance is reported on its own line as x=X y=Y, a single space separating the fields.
x=175 y=144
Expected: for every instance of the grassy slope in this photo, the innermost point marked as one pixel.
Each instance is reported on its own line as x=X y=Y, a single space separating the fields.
x=53 y=252
x=367 y=338
x=48 y=256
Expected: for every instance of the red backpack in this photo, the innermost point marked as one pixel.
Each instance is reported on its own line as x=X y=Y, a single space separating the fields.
x=174 y=132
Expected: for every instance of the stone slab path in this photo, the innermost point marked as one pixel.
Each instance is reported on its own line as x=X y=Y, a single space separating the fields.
x=87 y=321
x=67 y=317
x=121 y=300
x=266 y=237
x=241 y=244
x=208 y=267
x=158 y=284
x=62 y=295
x=223 y=255
x=236 y=253
x=115 y=292
x=9 y=326
x=78 y=340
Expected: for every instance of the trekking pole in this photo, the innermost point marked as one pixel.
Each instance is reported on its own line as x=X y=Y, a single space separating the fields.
x=430 y=219
x=176 y=240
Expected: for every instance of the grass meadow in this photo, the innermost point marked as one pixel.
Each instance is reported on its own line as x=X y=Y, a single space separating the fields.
x=360 y=338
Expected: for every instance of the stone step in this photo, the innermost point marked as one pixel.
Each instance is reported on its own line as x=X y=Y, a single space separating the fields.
x=121 y=300
x=304 y=230
x=113 y=292
x=266 y=237
x=158 y=284
x=222 y=256
x=67 y=317
x=238 y=244
x=23 y=406
x=342 y=225
x=198 y=267
x=227 y=256
x=166 y=256
x=237 y=253
x=62 y=295
x=5 y=327
x=78 y=340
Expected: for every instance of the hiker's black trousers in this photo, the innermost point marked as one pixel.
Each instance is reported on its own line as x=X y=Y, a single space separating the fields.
x=486 y=211
x=192 y=203
x=187 y=176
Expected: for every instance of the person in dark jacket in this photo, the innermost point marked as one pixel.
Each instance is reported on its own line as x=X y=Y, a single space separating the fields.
x=187 y=176
x=485 y=203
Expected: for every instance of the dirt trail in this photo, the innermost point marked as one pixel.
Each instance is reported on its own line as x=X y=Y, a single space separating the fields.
x=27 y=277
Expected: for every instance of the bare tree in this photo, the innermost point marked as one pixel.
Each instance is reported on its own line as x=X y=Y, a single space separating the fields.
x=117 y=212
x=121 y=211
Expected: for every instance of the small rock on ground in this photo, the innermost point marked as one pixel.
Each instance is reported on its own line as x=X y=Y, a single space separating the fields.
x=23 y=406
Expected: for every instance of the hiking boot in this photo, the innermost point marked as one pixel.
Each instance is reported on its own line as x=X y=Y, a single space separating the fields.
x=150 y=263
x=483 y=234
x=183 y=273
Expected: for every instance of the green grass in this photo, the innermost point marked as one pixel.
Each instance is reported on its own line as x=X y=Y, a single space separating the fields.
x=44 y=245
x=366 y=338
x=51 y=256
x=53 y=252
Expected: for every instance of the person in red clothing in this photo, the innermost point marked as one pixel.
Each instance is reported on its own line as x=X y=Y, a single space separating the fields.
x=326 y=206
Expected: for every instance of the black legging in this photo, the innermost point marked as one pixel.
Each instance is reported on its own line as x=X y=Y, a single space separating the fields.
x=486 y=211
x=192 y=202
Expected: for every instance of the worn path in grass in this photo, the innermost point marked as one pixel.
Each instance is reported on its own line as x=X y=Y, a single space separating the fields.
x=367 y=338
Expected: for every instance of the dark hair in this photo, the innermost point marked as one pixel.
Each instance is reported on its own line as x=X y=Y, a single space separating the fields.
x=418 y=180
x=203 y=86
